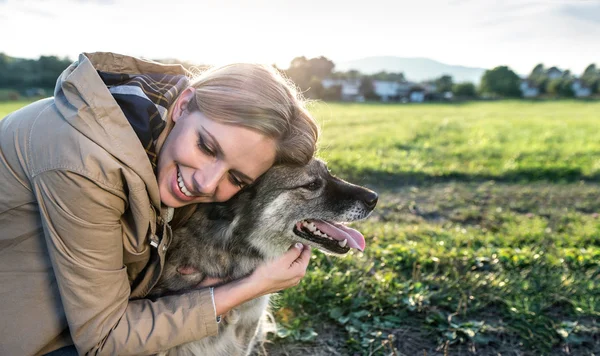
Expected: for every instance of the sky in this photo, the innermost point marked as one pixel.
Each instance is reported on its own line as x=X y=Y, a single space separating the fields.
x=476 y=33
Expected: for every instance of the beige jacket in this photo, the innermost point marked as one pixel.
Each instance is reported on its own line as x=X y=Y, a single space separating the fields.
x=78 y=205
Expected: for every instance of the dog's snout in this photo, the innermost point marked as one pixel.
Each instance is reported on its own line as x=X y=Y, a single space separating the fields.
x=370 y=199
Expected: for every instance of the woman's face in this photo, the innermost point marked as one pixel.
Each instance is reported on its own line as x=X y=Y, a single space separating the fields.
x=205 y=161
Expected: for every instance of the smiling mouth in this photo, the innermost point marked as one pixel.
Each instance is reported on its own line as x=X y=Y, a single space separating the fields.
x=332 y=236
x=182 y=187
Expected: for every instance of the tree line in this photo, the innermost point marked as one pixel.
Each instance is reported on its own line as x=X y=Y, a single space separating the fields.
x=309 y=75
x=499 y=82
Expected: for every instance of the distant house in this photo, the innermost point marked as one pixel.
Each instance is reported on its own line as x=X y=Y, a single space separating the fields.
x=328 y=82
x=528 y=89
x=387 y=90
x=404 y=88
x=417 y=94
x=350 y=88
x=554 y=73
x=403 y=91
x=580 y=90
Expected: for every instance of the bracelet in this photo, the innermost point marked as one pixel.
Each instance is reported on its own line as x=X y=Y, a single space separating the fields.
x=212 y=295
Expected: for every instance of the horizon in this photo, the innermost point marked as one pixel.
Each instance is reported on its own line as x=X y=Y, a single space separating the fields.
x=518 y=34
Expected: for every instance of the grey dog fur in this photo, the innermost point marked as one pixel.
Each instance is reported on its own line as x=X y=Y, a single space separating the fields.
x=228 y=241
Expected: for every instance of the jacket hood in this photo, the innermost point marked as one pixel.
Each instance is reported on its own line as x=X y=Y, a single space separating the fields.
x=87 y=104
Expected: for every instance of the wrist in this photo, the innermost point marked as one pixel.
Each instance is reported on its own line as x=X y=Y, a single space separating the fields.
x=232 y=294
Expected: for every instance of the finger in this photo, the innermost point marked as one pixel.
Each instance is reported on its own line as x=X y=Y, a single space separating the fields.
x=303 y=259
x=305 y=255
x=293 y=253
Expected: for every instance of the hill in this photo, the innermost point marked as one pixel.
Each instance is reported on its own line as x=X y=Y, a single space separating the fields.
x=414 y=69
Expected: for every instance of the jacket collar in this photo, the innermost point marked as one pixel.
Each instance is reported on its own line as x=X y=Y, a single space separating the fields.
x=99 y=117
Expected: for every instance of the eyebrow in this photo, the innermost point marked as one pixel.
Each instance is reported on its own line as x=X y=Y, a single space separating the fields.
x=220 y=151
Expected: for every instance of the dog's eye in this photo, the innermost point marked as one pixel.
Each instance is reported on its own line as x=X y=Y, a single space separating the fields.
x=312 y=186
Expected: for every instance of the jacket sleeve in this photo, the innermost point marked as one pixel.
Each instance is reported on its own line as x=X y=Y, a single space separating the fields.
x=81 y=220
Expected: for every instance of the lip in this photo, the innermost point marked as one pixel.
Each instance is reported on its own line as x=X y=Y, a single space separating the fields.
x=175 y=188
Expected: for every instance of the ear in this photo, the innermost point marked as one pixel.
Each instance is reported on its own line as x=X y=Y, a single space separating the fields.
x=180 y=107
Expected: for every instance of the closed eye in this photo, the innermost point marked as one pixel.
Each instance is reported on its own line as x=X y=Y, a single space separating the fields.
x=312 y=186
x=204 y=146
x=236 y=181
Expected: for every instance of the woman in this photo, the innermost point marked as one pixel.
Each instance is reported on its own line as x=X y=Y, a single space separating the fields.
x=89 y=182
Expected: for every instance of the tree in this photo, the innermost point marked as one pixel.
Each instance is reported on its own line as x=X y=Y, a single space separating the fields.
x=501 y=81
x=591 y=78
x=18 y=73
x=367 y=90
x=392 y=77
x=464 y=90
x=444 y=84
x=305 y=71
x=315 y=89
x=539 y=78
x=561 y=87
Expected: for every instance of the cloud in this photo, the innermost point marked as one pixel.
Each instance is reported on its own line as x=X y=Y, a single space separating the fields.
x=99 y=2
x=584 y=11
x=38 y=12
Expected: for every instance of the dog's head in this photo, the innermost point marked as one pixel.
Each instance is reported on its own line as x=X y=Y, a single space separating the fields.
x=303 y=204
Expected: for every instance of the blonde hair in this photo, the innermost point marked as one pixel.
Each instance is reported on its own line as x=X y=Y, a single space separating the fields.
x=259 y=98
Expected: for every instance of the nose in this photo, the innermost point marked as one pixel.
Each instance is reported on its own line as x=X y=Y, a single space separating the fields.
x=370 y=199
x=207 y=179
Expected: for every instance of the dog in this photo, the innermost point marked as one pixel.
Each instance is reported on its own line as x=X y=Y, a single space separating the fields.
x=229 y=240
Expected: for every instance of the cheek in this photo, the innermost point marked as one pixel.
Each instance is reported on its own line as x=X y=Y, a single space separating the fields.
x=225 y=192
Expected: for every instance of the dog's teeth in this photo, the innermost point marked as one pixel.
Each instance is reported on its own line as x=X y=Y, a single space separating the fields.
x=305 y=223
x=343 y=243
x=312 y=227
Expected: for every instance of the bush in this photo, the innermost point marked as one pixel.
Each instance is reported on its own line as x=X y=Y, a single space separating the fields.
x=9 y=95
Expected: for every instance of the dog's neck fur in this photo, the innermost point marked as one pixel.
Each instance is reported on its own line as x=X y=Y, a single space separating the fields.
x=220 y=237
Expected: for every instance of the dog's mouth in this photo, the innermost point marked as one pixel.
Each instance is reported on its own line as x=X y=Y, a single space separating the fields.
x=333 y=236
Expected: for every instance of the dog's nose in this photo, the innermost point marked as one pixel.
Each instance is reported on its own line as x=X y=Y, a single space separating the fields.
x=370 y=199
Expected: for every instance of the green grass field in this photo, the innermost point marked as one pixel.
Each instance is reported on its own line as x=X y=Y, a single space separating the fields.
x=486 y=239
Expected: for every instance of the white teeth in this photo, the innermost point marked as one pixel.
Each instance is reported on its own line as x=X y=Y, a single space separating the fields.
x=182 y=186
x=343 y=243
x=309 y=225
x=313 y=229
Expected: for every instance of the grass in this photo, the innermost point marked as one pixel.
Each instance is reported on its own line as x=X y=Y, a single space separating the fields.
x=486 y=239
x=10 y=106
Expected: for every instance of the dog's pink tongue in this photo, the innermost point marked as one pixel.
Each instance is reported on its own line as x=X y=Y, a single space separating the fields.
x=340 y=232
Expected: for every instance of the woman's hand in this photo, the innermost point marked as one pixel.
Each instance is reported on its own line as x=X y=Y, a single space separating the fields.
x=282 y=273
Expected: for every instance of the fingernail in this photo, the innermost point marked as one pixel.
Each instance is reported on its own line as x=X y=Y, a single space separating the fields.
x=299 y=246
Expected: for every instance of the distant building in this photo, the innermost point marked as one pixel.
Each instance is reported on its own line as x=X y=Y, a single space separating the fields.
x=580 y=90
x=417 y=94
x=386 y=90
x=528 y=89
x=554 y=73
x=404 y=91
x=328 y=82
x=350 y=88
